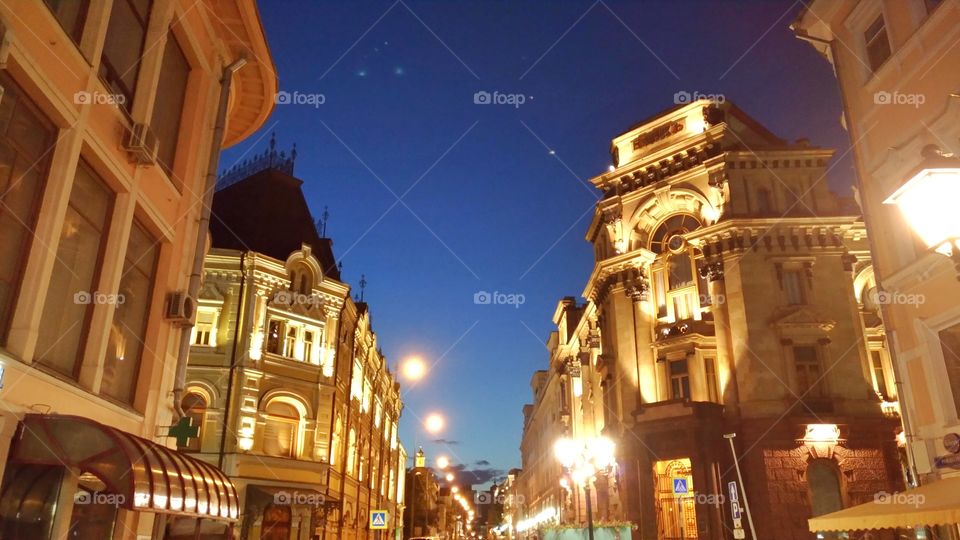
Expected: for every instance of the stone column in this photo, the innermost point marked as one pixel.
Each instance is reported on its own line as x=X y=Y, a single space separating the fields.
x=717 y=289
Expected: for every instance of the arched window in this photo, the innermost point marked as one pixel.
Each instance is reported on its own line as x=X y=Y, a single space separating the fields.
x=281 y=434
x=195 y=407
x=335 y=444
x=823 y=482
x=352 y=452
x=675 y=283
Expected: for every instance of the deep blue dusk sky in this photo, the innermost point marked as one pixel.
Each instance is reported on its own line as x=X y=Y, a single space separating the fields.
x=489 y=208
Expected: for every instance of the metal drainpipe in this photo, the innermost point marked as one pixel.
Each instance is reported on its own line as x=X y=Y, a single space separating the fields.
x=203 y=225
x=884 y=309
x=241 y=310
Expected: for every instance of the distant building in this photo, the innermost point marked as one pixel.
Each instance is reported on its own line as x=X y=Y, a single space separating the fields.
x=898 y=69
x=727 y=296
x=108 y=116
x=294 y=399
x=422 y=514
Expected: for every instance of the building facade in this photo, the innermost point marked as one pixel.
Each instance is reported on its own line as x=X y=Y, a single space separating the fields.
x=727 y=297
x=897 y=67
x=112 y=118
x=293 y=398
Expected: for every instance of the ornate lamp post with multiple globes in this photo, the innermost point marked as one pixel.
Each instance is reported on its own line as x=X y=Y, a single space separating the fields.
x=582 y=460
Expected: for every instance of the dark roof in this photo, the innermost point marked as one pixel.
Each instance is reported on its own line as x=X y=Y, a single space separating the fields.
x=266 y=212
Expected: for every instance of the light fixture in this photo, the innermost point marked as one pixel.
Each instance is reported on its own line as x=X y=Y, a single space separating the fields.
x=927 y=201
x=434 y=423
x=822 y=433
x=413 y=368
x=443 y=462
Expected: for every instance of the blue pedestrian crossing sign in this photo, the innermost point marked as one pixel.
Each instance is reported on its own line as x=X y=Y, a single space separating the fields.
x=679 y=486
x=379 y=520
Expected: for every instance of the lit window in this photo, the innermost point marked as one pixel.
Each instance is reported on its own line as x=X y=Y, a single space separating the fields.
x=879 y=381
x=26 y=137
x=356 y=383
x=281 y=430
x=122 y=362
x=72 y=294
x=377 y=413
x=290 y=343
x=205 y=329
x=679 y=379
x=352 y=452
x=878 y=45
x=308 y=346
x=367 y=395
x=809 y=372
x=273 y=336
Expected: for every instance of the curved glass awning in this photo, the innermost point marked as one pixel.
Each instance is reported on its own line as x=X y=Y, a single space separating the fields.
x=145 y=475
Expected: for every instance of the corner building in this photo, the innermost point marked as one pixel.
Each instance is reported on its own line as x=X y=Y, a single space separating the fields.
x=730 y=294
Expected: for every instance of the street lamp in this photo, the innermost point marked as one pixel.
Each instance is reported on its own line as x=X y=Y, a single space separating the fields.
x=434 y=423
x=413 y=368
x=928 y=202
x=583 y=460
x=443 y=462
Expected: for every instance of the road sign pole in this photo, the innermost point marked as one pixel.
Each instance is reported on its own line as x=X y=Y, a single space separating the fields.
x=743 y=487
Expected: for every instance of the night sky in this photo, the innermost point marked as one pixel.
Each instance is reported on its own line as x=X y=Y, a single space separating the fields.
x=435 y=198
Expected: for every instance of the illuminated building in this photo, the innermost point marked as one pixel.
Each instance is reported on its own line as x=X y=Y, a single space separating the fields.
x=897 y=68
x=725 y=298
x=112 y=117
x=293 y=396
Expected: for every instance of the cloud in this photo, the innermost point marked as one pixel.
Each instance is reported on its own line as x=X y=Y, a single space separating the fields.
x=482 y=463
x=482 y=474
x=446 y=442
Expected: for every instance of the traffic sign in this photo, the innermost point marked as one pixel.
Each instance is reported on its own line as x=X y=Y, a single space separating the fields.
x=735 y=509
x=737 y=523
x=379 y=520
x=739 y=534
x=732 y=488
x=679 y=486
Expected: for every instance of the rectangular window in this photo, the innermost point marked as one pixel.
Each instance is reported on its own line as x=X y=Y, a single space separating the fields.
x=356 y=383
x=205 y=329
x=661 y=290
x=290 y=343
x=679 y=380
x=809 y=372
x=710 y=372
x=72 y=294
x=123 y=47
x=168 y=106
x=71 y=14
x=950 y=345
x=308 y=346
x=879 y=381
x=128 y=334
x=26 y=137
x=793 y=287
x=877 y=43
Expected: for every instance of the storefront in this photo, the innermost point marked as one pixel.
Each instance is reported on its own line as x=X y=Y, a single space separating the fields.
x=69 y=473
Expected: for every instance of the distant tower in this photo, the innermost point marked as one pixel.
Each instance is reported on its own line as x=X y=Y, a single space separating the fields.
x=420 y=459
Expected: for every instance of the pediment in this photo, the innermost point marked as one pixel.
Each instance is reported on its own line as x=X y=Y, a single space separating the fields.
x=210 y=291
x=802 y=319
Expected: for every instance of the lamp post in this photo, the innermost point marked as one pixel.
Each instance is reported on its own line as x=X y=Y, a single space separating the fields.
x=928 y=202
x=583 y=460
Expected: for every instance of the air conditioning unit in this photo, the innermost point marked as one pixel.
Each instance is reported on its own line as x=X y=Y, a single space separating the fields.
x=141 y=144
x=180 y=308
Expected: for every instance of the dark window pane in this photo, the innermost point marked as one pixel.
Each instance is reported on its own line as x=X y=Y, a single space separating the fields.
x=72 y=14
x=26 y=140
x=72 y=292
x=878 y=46
x=168 y=107
x=126 y=347
x=950 y=345
x=123 y=47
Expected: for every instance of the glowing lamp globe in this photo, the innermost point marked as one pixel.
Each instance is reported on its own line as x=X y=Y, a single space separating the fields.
x=928 y=202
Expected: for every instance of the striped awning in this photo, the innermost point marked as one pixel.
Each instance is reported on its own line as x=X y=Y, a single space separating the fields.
x=144 y=475
x=936 y=503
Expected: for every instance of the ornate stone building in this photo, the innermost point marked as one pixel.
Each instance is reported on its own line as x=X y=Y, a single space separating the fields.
x=729 y=295
x=293 y=399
